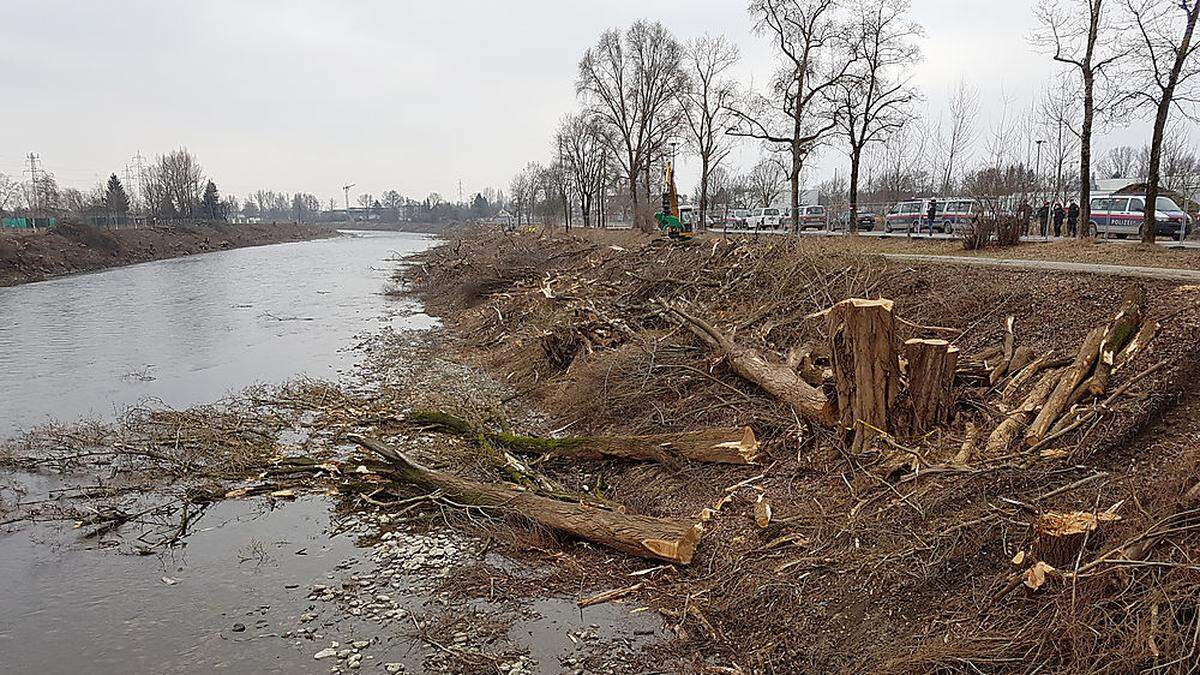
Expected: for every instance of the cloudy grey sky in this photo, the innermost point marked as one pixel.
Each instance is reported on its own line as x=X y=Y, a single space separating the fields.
x=305 y=95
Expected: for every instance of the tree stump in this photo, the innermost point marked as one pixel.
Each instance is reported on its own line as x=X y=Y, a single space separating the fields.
x=931 y=365
x=862 y=340
x=1060 y=536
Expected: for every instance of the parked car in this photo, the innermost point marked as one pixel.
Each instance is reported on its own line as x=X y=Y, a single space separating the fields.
x=735 y=219
x=812 y=217
x=906 y=216
x=955 y=214
x=866 y=221
x=764 y=218
x=1123 y=216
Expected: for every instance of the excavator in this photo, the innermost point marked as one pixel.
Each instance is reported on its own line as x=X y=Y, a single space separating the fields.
x=668 y=219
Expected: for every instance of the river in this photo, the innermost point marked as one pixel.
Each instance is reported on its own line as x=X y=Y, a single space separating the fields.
x=189 y=330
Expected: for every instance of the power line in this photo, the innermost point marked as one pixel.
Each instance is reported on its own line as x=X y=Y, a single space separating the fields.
x=34 y=197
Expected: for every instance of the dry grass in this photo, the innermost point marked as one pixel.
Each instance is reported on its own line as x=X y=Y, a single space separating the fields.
x=864 y=569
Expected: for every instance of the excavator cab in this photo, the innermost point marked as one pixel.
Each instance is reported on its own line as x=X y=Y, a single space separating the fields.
x=669 y=222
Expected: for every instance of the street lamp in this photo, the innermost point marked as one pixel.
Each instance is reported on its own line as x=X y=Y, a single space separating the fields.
x=1037 y=178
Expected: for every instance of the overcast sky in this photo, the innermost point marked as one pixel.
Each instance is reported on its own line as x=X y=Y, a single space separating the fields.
x=307 y=95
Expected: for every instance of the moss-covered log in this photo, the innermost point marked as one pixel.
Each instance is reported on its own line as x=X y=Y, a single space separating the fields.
x=735 y=445
x=672 y=540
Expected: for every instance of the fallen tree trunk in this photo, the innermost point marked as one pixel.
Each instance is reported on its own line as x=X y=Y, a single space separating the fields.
x=645 y=536
x=734 y=445
x=776 y=379
x=862 y=339
x=931 y=365
x=1060 y=398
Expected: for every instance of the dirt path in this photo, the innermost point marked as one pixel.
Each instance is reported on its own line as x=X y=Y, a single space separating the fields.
x=1160 y=273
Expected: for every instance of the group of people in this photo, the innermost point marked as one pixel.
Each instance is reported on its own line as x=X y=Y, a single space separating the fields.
x=1057 y=214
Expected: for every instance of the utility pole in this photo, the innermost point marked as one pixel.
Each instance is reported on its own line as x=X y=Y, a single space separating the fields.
x=460 y=199
x=346 y=189
x=139 y=170
x=34 y=197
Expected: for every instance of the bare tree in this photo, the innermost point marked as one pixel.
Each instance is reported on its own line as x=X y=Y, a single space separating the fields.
x=1060 y=119
x=874 y=99
x=1119 y=162
x=1162 y=71
x=174 y=184
x=706 y=107
x=584 y=146
x=798 y=115
x=766 y=181
x=10 y=194
x=956 y=146
x=632 y=82
x=1076 y=33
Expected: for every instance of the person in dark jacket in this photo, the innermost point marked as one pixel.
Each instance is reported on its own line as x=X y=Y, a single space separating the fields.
x=1072 y=218
x=1059 y=215
x=1044 y=216
x=1025 y=215
x=931 y=214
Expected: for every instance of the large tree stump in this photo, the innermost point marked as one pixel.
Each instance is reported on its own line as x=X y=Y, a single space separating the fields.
x=931 y=365
x=862 y=340
x=665 y=539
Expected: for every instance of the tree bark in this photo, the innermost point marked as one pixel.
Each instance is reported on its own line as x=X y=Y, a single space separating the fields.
x=1149 y=222
x=862 y=338
x=776 y=379
x=855 y=162
x=645 y=536
x=931 y=365
x=1120 y=333
x=1060 y=398
x=1010 y=340
x=735 y=445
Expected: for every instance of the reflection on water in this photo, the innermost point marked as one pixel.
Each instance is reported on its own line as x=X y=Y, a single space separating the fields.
x=191 y=329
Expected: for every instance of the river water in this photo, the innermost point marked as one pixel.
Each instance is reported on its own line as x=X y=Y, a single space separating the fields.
x=189 y=330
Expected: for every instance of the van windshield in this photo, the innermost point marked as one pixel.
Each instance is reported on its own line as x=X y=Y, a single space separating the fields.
x=771 y=212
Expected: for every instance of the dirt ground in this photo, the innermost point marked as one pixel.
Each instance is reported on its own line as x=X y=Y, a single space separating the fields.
x=862 y=569
x=70 y=249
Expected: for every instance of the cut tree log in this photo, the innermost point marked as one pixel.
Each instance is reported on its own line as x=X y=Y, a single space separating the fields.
x=666 y=539
x=1123 y=329
x=866 y=371
x=781 y=382
x=732 y=445
x=1060 y=398
x=931 y=365
x=1006 y=357
x=1017 y=419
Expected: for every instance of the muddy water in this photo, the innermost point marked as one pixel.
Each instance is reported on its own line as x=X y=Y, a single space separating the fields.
x=191 y=329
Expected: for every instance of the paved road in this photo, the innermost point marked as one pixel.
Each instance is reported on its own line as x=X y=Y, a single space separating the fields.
x=1164 y=241
x=1192 y=276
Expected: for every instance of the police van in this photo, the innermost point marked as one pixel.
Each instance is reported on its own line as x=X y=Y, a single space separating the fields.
x=1122 y=216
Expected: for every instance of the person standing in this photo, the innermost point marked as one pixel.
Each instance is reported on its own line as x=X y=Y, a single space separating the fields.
x=1025 y=215
x=1072 y=218
x=931 y=214
x=1044 y=216
x=1059 y=215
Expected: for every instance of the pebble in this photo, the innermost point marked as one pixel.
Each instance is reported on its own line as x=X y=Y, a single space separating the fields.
x=239 y=627
x=325 y=653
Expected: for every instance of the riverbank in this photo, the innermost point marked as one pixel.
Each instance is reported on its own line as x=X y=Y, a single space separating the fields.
x=71 y=249
x=916 y=552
